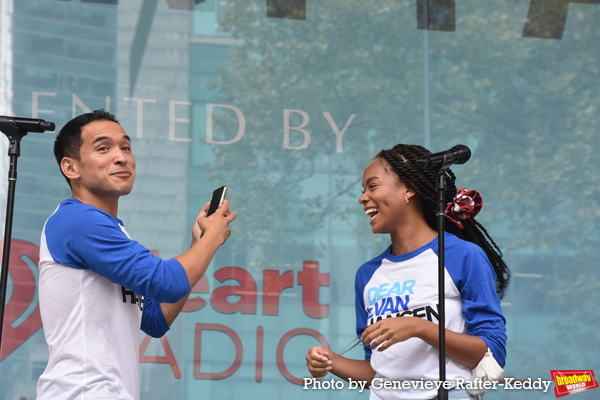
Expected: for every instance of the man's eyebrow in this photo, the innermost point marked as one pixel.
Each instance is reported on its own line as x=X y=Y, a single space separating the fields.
x=101 y=138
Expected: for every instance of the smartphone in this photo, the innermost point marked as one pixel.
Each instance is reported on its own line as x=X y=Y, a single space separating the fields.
x=217 y=199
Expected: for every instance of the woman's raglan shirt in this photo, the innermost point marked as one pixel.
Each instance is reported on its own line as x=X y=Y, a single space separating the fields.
x=406 y=286
x=97 y=289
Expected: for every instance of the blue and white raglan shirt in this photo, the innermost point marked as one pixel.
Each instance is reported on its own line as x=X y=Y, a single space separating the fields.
x=97 y=288
x=407 y=286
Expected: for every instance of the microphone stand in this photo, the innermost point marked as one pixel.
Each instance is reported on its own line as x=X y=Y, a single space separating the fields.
x=14 y=131
x=14 y=135
x=441 y=219
x=441 y=161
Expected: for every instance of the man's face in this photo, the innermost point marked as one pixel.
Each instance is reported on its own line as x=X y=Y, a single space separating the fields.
x=106 y=166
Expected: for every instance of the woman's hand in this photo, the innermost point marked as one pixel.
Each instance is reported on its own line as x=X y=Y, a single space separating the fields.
x=318 y=361
x=382 y=334
x=465 y=349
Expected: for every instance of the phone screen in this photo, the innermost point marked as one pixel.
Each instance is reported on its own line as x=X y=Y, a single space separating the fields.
x=217 y=199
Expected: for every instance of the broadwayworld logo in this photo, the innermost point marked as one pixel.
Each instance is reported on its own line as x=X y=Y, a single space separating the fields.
x=572 y=381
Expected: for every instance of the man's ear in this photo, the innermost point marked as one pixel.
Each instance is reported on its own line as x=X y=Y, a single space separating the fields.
x=70 y=168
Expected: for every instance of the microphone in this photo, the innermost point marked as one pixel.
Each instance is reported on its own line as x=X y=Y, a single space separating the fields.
x=459 y=154
x=25 y=124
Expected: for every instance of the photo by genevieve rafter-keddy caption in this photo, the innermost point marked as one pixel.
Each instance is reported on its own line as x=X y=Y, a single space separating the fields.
x=459 y=383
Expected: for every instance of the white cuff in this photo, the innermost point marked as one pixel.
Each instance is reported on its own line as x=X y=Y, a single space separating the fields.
x=488 y=369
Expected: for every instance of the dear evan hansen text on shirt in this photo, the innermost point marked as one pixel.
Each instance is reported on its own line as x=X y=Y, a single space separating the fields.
x=392 y=300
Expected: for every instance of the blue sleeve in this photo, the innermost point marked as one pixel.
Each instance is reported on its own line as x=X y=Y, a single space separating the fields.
x=153 y=319
x=87 y=238
x=359 y=304
x=475 y=278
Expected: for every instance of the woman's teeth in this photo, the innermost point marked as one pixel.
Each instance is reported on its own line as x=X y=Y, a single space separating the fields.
x=371 y=212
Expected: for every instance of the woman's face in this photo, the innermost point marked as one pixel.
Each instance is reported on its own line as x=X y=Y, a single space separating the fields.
x=384 y=197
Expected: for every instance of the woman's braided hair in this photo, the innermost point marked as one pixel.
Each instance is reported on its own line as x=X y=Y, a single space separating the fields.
x=402 y=158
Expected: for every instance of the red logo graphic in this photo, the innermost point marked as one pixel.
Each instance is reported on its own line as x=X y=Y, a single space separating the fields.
x=23 y=294
x=572 y=381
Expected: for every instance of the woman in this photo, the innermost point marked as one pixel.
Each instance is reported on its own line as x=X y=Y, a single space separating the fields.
x=400 y=200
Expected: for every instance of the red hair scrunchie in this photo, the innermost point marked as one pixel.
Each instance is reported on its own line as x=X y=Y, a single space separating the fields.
x=464 y=205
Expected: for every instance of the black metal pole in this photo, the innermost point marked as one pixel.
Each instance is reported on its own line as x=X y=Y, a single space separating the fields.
x=14 y=151
x=14 y=128
x=441 y=218
x=441 y=161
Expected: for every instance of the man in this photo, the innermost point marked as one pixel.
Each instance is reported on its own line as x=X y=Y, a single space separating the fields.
x=97 y=286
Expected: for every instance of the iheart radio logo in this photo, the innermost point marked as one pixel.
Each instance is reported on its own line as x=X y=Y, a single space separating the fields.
x=23 y=294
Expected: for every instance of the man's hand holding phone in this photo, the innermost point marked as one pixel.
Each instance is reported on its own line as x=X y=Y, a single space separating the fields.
x=208 y=234
x=214 y=215
x=218 y=197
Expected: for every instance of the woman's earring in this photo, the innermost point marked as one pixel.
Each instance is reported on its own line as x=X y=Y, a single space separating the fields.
x=407 y=200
